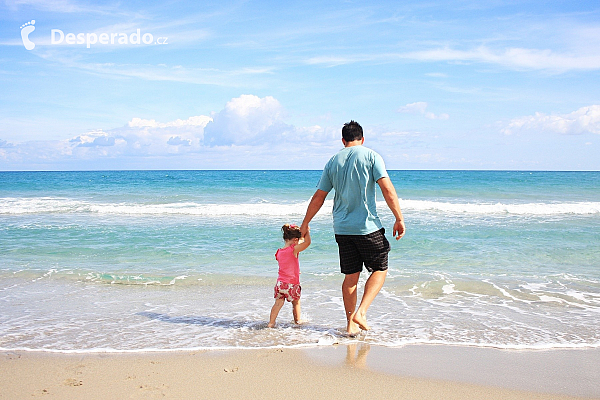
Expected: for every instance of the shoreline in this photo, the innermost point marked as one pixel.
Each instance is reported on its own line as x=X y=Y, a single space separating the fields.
x=307 y=346
x=338 y=371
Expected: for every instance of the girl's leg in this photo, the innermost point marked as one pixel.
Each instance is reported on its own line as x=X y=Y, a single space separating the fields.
x=296 y=311
x=275 y=311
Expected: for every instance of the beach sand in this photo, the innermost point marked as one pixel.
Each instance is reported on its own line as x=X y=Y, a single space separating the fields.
x=334 y=372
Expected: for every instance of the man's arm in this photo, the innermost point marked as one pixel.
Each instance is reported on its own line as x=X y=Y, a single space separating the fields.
x=391 y=198
x=313 y=208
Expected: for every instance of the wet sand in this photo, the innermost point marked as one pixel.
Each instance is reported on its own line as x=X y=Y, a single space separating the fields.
x=335 y=372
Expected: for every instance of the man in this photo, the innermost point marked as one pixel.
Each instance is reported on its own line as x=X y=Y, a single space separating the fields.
x=352 y=172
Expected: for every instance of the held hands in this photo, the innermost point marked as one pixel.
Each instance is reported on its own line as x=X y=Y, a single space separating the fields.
x=304 y=241
x=304 y=230
x=399 y=229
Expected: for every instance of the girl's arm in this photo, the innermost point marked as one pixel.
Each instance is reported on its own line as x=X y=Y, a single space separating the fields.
x=302 y=246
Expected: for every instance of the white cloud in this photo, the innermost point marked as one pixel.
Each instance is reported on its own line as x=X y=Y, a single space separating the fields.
x=414 y=108
x=584 y=120
x=437 y=75
x=519 y=58
x=430 y=115
x=138 y=138
x=510 y=57
x=104 y=141
x=396 y=134
x=315 y=134
x=246 y=119
x=200 y=120
x=178 y=141
x=249 y=128
x=420 y=107
x=333 y=61
x=63 y=6
x=154 y=72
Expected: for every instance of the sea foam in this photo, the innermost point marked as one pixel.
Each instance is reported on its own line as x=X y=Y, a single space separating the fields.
x=54 y=205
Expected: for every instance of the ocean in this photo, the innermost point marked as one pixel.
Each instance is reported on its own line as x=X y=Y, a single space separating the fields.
x=179 y=260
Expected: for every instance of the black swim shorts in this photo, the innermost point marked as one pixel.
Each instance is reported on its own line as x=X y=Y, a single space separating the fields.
x=371 y=250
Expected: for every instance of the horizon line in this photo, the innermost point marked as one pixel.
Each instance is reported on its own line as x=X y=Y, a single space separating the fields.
x=274 y=169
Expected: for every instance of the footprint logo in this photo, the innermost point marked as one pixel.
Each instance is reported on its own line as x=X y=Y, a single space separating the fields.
x=26 y=29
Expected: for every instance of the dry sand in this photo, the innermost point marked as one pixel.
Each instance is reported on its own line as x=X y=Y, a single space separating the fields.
x=336 y=372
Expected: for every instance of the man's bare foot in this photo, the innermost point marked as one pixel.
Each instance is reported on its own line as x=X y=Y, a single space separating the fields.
x=270 y=325
x=352 y=329
x=361 y=321
x=299 y=322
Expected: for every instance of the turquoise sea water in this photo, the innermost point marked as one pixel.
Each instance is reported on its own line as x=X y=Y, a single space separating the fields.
x=170 y=260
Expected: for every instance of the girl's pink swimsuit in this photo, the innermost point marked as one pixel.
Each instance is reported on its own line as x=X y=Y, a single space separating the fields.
x=289 y=266
x=288 y=281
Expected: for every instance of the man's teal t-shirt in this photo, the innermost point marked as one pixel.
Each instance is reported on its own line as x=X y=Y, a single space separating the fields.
x=353 y=173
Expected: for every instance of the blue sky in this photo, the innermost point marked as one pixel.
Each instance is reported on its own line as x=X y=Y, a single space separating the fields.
x=268 y=84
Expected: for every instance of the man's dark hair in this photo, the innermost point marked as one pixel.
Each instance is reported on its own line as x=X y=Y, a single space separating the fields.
x=352 y=131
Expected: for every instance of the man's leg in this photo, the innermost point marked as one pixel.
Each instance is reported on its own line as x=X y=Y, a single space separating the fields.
x=372 y=288
x=349 y=295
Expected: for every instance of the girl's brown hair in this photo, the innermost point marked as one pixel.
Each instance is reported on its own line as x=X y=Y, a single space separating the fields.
x=291 y=232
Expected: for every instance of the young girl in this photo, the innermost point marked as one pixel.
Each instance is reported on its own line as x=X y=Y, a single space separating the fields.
x=288 y=282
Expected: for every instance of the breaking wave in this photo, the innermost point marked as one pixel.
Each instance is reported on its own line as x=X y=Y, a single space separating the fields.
x=56 y=205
